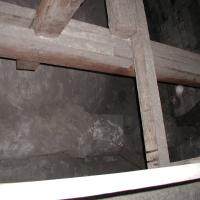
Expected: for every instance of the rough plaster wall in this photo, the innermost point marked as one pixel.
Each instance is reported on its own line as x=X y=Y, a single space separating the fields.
x=175 y=22
x=60 y=165
x=43 y=113
x=86 y=117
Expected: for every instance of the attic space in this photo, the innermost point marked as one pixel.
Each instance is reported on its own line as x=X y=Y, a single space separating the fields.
x=58 y=122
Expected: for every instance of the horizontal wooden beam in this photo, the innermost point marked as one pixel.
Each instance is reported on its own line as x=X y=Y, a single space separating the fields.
x=99 y=185
x=53 y=15
x=80 y=46
x=11 y=13
x=176 y=65
x=89 y=47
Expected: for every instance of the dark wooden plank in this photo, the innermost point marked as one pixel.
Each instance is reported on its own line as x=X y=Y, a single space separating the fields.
x=53 y=15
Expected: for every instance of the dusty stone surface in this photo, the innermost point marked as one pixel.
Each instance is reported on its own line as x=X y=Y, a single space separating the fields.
x=183 y=138
x=175 y=22
x=41 y=115
x=52 y=111
x=60 y=165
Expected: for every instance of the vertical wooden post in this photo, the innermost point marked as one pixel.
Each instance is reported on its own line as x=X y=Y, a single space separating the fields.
x=122 y=24
x=150 y=106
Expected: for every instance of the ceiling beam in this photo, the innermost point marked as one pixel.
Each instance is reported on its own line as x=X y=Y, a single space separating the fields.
x=89 y=47
x=53 y=15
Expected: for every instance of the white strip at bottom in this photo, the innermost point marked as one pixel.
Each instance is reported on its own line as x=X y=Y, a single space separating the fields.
x=98 y=185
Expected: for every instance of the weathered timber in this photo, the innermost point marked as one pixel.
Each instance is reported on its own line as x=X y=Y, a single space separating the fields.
x=149 y=98
x=80 y=46
x=26 y=65
x=152 y=122
x=173 y=65
x=121 y=24
x=176 y=65
x=150 y=106
x=53 y=15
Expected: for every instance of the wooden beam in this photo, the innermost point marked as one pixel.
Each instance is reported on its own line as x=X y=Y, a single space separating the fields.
x=53 y=15
x=149 y=98
x=99 y=185
x=176 y=65
x=80 y=46
x=119 y=23
x=24 y=17
x=150 y=106
x=26 y=65
x=89 y=47
x=16 y=15
x=10 y=13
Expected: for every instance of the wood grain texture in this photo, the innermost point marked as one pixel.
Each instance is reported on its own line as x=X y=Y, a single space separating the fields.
x=53 y=15
x=176 y=64
x=89 y=47
x=150 y=105
x=80 y=46
x=120 y=23
x=26 y=65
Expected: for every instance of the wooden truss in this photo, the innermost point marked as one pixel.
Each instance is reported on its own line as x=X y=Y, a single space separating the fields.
x=50 y=36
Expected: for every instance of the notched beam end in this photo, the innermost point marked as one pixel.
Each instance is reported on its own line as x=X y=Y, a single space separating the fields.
x=26 y=65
